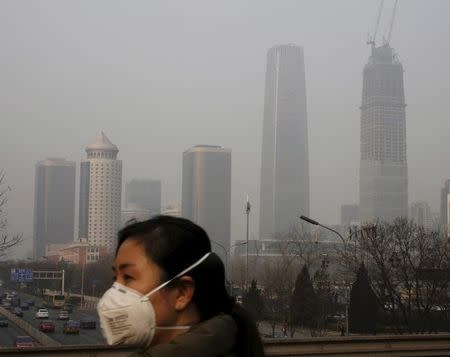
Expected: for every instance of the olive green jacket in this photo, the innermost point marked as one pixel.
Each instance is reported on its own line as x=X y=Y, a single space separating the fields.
x=211 y=338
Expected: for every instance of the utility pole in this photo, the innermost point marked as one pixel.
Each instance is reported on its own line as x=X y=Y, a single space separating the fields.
x=247 y=212
x=63 y=282
x=82 y=249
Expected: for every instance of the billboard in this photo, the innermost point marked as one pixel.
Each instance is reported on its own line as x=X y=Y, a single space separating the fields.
x=21 y=275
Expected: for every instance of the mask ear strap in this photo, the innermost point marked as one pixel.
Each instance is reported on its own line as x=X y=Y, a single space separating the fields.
x=189 y=268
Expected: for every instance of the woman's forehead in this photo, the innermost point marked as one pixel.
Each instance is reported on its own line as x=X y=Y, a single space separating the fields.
x=132 y=253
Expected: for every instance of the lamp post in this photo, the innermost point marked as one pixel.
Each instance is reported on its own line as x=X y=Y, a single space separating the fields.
x=247 y=212
x=83 y=263
x=227 y=272
x=315 y=223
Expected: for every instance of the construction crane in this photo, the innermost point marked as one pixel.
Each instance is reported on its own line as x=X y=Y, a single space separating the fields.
x=372 y=39
x=388 y=34
x=391 y=25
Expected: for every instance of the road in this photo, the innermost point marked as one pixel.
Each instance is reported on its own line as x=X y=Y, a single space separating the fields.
x=7 y=335
x=85 y=337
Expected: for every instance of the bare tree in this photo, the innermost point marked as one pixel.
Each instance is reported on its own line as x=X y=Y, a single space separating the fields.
x=7 y=241
x=408 y=266
x=238 y=271
x=302 y=244
x=278 y=279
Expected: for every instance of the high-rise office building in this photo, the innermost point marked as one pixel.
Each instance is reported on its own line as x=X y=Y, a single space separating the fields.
x=445 y=208
x=285 y=162
x=420 y=213
x=206 y=193
x=100 y=193
x=145 y=194
x=349 y=215
x=383 y=169
x=54 y=203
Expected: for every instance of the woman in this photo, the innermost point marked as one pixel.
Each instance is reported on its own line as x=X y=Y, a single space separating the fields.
x=169 y=295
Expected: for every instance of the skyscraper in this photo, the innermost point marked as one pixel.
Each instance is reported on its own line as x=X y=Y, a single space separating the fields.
x=54 y=203
x=420 y=213
x=445 y=205
x=146 y=194
x=100 y=193
x=206 y=193
x=285 y=163
x=383 y=169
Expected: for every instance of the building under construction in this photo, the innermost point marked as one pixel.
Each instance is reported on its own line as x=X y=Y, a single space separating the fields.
x=383 y=170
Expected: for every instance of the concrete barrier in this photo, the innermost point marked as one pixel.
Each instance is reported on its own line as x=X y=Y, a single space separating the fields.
x=30 y=330
x=387 y=345
x=410 y=345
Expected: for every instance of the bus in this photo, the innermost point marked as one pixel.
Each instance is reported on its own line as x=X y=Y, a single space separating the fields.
x=56 y=300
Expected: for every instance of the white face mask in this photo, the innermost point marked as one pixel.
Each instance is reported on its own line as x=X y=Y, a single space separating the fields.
x=128 y=317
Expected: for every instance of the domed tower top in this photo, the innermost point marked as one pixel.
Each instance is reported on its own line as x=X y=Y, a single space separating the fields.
x=102 y=148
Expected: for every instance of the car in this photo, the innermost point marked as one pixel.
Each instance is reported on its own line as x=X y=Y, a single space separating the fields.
x=30 y=302
x=63 y=315
x=88 y=323
x=18 y=311
x=47 y=326
x=7 y=305
x=42 y=314
x=23 y=341
x=71 y=327
x=3 y=322
x=24 y=306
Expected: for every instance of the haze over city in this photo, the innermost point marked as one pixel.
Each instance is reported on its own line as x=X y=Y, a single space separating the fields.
x=161 y=77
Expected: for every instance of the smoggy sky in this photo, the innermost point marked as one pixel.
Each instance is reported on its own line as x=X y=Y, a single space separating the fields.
x=161 y=76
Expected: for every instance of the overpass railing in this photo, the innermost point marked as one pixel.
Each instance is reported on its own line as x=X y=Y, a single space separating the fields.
x=406 y=345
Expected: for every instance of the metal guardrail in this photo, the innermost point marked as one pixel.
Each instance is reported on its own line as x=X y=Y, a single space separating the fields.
x=407 y=345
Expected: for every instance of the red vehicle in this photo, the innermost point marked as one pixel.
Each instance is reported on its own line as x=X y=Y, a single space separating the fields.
x=47 y=326
x=23 y=341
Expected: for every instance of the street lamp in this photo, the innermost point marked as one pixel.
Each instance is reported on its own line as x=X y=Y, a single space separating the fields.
x=247 y=212
x=315 y=223
x=227 y=272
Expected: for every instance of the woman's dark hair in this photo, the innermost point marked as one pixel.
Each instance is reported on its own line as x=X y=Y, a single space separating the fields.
x=176 y=243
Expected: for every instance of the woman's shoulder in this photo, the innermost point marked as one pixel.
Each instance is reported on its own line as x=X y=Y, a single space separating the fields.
x=213 y=337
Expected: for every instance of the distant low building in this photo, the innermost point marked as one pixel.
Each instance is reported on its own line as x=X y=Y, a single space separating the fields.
x=279 y=248
x=172 y=210
x=134 y=212
x=75 y=253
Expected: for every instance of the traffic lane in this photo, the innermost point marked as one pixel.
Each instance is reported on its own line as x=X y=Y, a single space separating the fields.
x=85 y=337
x=7 y=336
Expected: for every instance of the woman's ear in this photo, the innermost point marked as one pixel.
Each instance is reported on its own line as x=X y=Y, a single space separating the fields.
x=185 y=292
